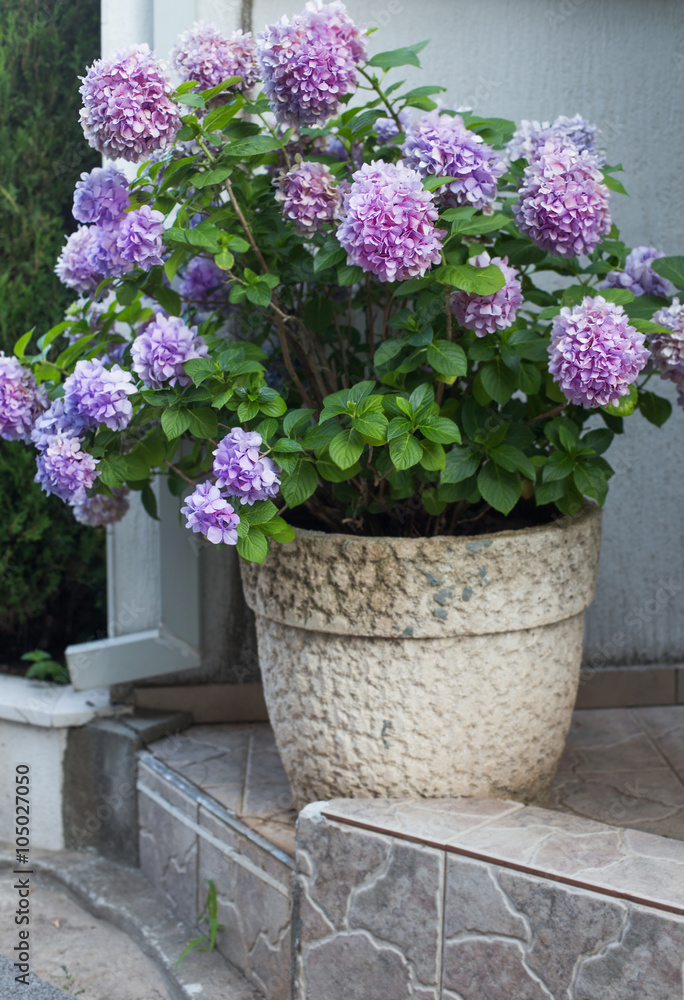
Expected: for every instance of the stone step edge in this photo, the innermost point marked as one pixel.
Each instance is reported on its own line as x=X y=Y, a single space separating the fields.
x=125 y=898
x=201 y=797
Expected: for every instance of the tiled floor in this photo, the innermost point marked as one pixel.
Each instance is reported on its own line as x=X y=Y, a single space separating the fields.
x=238 y=765
x=624 y=767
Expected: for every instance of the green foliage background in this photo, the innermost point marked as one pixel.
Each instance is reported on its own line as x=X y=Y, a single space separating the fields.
x=51 y=568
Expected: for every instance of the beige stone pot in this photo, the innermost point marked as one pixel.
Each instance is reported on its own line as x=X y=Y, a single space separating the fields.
x=437 y=667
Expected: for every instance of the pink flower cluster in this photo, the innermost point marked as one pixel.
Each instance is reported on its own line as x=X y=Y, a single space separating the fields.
x=487 y=313
x=205 y=54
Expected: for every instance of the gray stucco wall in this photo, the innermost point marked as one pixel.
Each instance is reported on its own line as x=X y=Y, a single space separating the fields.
x=621 y=64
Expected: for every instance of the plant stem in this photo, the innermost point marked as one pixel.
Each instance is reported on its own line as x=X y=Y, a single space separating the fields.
x=369 y=313
x=549 y=413
x=245 y=225
x=386 y=316
x=379 y=91
x=181 y=474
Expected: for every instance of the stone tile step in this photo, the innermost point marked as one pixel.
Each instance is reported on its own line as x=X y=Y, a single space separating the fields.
x=123 y=897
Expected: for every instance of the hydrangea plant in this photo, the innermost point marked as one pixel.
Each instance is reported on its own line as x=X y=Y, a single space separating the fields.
x=329 y=299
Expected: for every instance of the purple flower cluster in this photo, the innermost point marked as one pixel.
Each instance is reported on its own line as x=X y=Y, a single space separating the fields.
x=21 y=400
x=595 y=354
x=638 y=275
x=667 y=349
x=531 y=135
x=97 y=395
x=161 y=350
x=65 y=469
x=242 y=470
x=205 y=54
x=563 y=203
x=439 y=145
x=388 y=224
x=487 y=313
x=101 y=197
x=54 y=421
x=126 y=107
x=140 y=237
x=77 y=266
x=208 y=512
x=204 y=283
x=308 y=64
x=309 y=196
x=102 y=509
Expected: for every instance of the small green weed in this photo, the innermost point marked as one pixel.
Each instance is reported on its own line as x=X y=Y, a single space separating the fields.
x=206 y=941
x=44 y=668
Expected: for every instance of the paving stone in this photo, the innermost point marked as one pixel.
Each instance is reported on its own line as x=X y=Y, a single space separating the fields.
x=476 y=904
x=353 y=967
x=403 y=906
x=565 y=923
x=490 y=969
x=645 y=965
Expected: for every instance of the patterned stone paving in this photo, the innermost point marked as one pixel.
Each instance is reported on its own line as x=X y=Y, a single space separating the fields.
x=625 y=767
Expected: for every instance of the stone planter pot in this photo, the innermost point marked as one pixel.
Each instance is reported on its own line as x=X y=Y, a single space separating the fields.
x=427 y=667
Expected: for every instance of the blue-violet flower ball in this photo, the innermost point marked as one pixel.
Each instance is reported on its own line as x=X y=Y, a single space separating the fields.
x=667 y=349
x=595 y=354
x=531 y=135
x=102 y=509
x=54 y=421
x=207 y=511
x=487 y=313
x=387 y=128
x=203 y=283
x=439 y=145
x=21 y=400
x=242 y=470
x=127 y=111
x=162 y=348
x=140 y=237
x=77 y=266
x=308 y=64
x=309 y=196
x=101 y=197
x=205 y=54
x=65 y=469
x=388 y=225
x=99 y=395
x=638 y=276
x=563 y=204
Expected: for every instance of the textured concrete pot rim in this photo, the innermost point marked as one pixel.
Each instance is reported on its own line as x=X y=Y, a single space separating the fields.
x=429 y=587
x=590 y=509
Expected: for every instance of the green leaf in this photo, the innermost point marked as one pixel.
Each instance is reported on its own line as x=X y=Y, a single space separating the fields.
x=247 y=410
x=296 y=420
x=626 y=405
x=349 y=274
x=207 y=177
x=333 y=474
x=591 y=482
x=558 y=466
x=513 y=460
x=405 y=451
x=479 y=224
x=498 y=381
x=473 y=280
x=320 y=435
x=614 y=184
x=112 y=470
x=550 y=492
x=208 y=95
x=500 y=488
x=529 y=379
x=447 y=358
x=149 y=501
x=599 y=440
x=262 y=510
x=286 y=446
x=279 y=530
x=254 y=546
x=373 y=426
x=175 y=421
x=297 y=486
x=345 y=448
x=329 y=254
x=22 y=344
x=671 y=268
x=441 y=430
x=432 y=502
x=203 y=423
x=432 y=183
x=460 y=464
x=192 y=100
x=200 y=369
x=387 y=350
x=224 y=259
x=257 y=145
x=273 y=407
x=655 y=408
x=218 y=119
x=407 y=56
x=433 y=456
